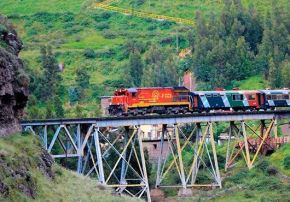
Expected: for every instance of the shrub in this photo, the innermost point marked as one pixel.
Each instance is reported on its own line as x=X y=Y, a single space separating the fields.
x=89 y=53
x=3 y=29
x=248 y=194
x=102 y=25
x=140 y=2
x=67 y=17
x=108 y=34
x=263 y=165
x=106 y=15
x=152 y=27
x=272 y=170
x=105 y=53
x=286 y=162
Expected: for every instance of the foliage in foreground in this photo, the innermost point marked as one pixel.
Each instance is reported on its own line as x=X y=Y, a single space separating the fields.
x=22 y=178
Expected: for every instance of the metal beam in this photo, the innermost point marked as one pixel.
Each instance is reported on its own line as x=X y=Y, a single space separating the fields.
x=165 y=119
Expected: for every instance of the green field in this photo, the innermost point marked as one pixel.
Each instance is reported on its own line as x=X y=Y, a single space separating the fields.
x=187 y=8
x=29 y=7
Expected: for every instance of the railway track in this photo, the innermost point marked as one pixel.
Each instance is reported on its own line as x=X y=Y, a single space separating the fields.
x=201 y=116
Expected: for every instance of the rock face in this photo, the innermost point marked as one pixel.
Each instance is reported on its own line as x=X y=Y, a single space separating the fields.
x=13 y=80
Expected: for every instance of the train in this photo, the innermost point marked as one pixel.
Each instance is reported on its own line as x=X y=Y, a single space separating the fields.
x=180 y=100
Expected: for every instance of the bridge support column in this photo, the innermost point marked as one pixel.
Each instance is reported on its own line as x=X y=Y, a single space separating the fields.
x=45 y=137
x=230 y=134
x=160 y=158
x=79 y=144
x=143 y=162
x=216 y=166
x=197 y=162
x=99 y=156
x=179 y=155
x=247 y=157
x=124 y=164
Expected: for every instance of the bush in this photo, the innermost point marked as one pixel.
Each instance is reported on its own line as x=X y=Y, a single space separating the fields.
x=263 y=165
x=68 y=17
x=286 y=162
x=248 y=194
x=140 y=2
x=89 y=53
x=109 y=53
x=106 y=15
x=108 y=34
x=102 y=25
x=272 y=170
x=3 y=29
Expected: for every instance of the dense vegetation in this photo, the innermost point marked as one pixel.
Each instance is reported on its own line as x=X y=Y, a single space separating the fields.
x=91 y=52
x=26 y=174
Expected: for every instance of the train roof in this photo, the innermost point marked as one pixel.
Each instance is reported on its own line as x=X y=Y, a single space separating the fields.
x=282 y=91
x=225 y=92
x=180 y=88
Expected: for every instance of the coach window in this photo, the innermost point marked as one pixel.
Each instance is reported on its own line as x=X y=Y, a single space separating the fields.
x=252 y=97
x=286 y=97
x=274 y=97
x=238 y=97
x=280 y=97
x=208 y=95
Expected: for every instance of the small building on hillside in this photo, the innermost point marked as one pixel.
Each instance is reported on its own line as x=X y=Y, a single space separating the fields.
x=105 y=103
x=189 y=80
x=151 y=135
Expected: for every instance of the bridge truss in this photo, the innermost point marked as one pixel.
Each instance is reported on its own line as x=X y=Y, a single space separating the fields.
x=111 y=149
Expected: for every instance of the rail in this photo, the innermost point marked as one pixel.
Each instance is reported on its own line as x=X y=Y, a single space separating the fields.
x=164 y=119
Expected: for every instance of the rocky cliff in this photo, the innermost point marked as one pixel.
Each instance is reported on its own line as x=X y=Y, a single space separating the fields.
x=13 y=80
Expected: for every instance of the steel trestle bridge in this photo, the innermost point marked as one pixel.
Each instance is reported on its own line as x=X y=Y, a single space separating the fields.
x=111 y=148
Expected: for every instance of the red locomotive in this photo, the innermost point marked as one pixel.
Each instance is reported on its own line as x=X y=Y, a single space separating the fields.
x=150 y=100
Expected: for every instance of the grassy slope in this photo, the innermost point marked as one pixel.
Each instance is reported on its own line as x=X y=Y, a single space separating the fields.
x=72 y=26
x=28 y=7
x=187 y=8
x=24 y=151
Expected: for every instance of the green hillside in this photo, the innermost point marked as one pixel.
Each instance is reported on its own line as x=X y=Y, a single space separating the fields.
x=26 y=174
x=102 y=43
x=187 y=8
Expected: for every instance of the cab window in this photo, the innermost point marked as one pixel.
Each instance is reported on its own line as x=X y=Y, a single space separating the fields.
x=134 y=94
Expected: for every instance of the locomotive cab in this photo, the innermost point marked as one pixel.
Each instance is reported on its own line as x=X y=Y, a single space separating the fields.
x=119 y=102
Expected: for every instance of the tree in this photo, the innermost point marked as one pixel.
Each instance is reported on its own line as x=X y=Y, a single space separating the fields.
x=285 y=73
x=89 y=53
x=59 y=111
x=136 y=67
x=82 y=82
x=161 y=67
x=274 y=74
x=49 y=110
x=73 y=95
x=51 y=78
x=82 y=78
